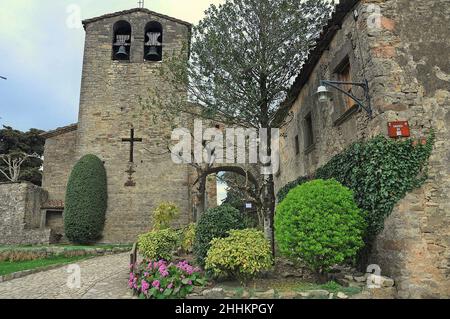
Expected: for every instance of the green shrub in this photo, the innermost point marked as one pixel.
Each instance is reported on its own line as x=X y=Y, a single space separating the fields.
x=242 y=255
x=158 y=244
x=86 y=201
x=319 y=223
x=215 y=223
x=164 y=214
x=282 y=193
x=379 y=171
x=188 y=237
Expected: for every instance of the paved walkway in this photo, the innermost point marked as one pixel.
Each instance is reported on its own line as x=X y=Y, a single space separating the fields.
x=101 y=278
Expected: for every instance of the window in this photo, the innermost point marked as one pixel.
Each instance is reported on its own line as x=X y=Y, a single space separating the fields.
x=297 y=145
x=122 y=41
x=344 y=74
x=153 y=42
x=309 y=136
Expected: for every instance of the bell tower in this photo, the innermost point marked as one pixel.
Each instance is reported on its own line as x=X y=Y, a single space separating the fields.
x=123 y=54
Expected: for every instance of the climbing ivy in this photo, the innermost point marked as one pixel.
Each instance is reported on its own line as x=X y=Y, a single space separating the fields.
x=380 y=172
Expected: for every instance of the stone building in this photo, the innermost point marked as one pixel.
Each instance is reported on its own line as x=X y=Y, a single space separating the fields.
x=401 y=47
x=123 y=54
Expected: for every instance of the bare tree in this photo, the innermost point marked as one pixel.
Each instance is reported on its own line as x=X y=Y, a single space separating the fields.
x=13 y=163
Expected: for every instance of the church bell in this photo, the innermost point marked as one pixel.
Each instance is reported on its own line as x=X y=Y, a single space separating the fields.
x=122 y=53
x=153 y=54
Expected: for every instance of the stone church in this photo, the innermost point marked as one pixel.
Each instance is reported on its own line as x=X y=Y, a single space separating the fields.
x=400 y=47
x=122 y=57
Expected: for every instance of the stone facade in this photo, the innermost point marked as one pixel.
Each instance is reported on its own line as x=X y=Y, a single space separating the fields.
x=109 y=109
x=59 y=159
x=408 y=70
x=20 y=214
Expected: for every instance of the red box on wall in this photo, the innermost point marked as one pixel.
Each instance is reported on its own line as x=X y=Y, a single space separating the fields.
x=399 y=129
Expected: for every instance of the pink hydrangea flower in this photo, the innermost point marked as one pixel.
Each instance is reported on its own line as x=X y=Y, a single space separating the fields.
x=145 y=286
x=163 y=271
x=170 y=286
x=156 y=284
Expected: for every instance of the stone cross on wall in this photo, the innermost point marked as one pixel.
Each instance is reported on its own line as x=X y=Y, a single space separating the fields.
x=131 y=171
x=131 y=140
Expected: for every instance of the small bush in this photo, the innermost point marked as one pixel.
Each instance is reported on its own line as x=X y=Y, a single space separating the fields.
x=159 y=280
x=164 y=214
x=242 y=255
x=158 y=244
x=319 y=223
x=86 y=201
x=215 y=223
x=188 y=237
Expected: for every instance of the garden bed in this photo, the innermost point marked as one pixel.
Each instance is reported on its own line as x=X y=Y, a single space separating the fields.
x=26 y=253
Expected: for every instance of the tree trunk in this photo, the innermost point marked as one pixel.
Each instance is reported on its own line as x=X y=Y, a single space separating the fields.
x=201 y=197
x=268 y=208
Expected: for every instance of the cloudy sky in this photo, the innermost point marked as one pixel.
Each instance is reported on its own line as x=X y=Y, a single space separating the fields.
x=42 y=50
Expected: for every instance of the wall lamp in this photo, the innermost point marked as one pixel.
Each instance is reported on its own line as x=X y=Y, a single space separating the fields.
x=324 y=95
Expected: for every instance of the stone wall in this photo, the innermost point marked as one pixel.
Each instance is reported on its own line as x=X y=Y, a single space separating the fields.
x=20 y=214
x=59 y=158
x=409 y=80
x=109 y=108
x=415 y=245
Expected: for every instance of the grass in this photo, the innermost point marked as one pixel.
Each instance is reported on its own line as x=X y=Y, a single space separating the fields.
x=7 y=267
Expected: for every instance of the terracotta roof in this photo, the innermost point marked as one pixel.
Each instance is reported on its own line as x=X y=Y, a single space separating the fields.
x=326 y=36
x=120 y=13
x=60 y=130
x=53 y=204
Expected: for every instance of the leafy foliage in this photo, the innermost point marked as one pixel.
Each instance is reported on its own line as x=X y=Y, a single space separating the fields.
x=15 y=142
x=158 y=244
x=380 y=172
x=164 y=214
x=319 y=223
x=86 y=201
x=242 y=255
x=159 y=280
x=188 y=237
x=243 y=57
x=282 y=193
x=215 y=223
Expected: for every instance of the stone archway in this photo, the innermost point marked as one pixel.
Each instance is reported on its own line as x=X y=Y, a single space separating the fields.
x=202 y=181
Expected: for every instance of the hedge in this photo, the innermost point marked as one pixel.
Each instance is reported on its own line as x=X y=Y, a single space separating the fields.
x=86 y=201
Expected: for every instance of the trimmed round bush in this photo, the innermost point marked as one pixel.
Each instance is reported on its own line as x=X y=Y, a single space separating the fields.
x=86 y=201
x=215 y=223
x=158 y=244
x=319 y=223
x=242 y=255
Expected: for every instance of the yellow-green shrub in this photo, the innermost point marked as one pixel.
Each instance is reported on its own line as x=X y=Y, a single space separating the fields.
x=188 y=237
x=164 y=214
x=242 y=255
x=158 y=244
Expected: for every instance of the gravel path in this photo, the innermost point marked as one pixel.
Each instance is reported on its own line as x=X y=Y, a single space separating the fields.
x=101 y=278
